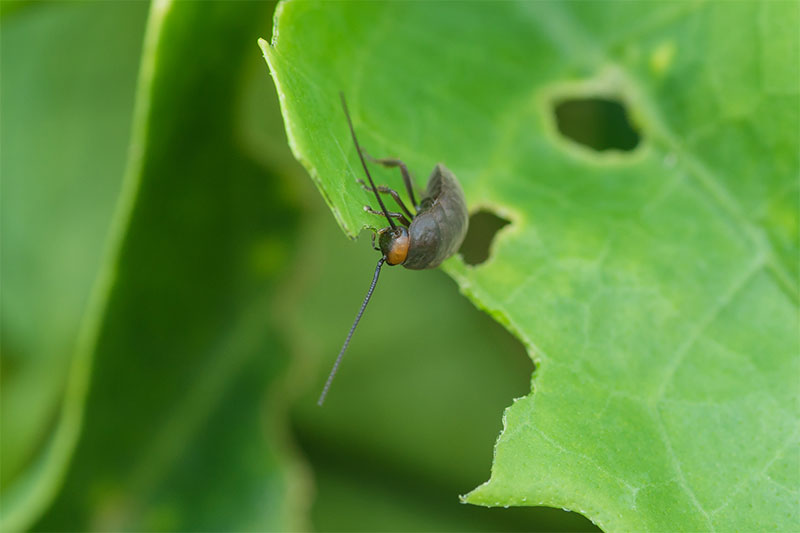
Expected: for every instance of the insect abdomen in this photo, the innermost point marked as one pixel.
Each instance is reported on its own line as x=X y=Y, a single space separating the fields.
x=440 y=226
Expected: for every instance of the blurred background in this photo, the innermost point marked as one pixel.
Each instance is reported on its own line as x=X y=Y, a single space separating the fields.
x=174 y=292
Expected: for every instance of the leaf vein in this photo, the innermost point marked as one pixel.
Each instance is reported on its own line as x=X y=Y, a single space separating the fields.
x=704 y=323
x=676 y=465
x=761 y=471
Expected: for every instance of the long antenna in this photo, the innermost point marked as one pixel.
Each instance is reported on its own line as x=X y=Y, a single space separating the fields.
x=364 y=163
x=352 y=329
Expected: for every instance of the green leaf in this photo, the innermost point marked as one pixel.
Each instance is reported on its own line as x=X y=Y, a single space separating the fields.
x=655 y=289
x=182 y=427
x=65 y=130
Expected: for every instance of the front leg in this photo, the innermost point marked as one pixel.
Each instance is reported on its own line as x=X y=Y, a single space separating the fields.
x=391 y=163
x=383 y=189
x=399 y=216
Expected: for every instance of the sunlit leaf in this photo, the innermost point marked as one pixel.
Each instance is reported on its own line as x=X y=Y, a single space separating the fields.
x=655 y=288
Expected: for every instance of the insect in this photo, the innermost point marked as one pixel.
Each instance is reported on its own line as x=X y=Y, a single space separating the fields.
x=418 y=240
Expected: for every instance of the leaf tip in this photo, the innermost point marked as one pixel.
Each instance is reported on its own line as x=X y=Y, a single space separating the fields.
x=265 y=48
x=473 y=496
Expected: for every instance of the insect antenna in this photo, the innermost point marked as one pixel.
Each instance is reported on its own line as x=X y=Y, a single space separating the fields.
x=364 y=163
x=352 y=329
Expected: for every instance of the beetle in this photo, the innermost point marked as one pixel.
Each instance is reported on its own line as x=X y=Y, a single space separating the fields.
x=422 y=239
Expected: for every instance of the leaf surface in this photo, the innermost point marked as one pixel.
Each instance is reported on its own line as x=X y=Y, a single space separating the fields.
x=65 y=129
x=181 y=428
x=656 y=289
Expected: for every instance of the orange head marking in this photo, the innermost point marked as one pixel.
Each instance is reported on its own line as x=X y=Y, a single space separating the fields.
x=394 y=244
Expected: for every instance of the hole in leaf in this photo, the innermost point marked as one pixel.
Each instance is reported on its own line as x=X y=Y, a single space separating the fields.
x=483 y=225
x=599 y=123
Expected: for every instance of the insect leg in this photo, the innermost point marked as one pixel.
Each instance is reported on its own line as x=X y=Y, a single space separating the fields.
x=391 y=163
x=383 y=189
x=391 y=214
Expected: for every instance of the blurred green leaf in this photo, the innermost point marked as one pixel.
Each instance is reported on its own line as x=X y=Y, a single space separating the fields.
x=65 y=129
x=183 y=425
x=656 y=289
